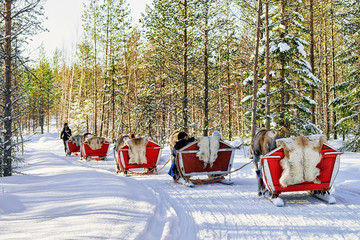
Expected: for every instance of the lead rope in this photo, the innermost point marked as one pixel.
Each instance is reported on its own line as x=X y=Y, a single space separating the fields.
x=218 y=177
x=101 y=158
x=149 y=172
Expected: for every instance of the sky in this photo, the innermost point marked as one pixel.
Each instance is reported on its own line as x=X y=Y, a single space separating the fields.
x=62 y=197
x=64 y=25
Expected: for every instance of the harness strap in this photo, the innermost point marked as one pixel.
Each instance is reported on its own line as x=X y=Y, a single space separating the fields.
x=101 y=158
x=217 y=178
x=152 y=171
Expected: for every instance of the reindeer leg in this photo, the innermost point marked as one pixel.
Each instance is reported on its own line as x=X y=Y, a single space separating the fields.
x=261 y=185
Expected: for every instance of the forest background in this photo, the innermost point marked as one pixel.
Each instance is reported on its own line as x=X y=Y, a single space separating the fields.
x=197 y=65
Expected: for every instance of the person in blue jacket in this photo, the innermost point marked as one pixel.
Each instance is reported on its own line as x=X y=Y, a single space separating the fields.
x=183 y=140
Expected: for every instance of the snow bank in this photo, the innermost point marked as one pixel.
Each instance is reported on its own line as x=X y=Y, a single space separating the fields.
x=61 y=197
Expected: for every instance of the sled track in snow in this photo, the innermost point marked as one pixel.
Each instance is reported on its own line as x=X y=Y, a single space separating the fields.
x=217 y=211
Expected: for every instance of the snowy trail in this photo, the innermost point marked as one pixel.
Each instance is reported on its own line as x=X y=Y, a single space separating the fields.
x=66 y=198
x=235 y=212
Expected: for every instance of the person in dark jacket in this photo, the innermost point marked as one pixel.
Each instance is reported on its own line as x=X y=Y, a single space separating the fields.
x=183 y=140
x=65 y=134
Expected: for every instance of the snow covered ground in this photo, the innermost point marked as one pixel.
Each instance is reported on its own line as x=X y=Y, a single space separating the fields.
x=59 y=197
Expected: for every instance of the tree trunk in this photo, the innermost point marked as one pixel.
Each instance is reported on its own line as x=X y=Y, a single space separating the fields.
x=206 y=73
x=41 y=107
x=7 y=164
x=326 y=84
x=229 y=93
x=319 y=97
x=256 y=69
x=113 y=100
x=228 y=75
x=71 y=87
x=312 y=58
x=220 y=110
x=333 y=67
x=103 y=110
x=283 y=95
x=185 y=70
x=267 y=66
x=95 y=77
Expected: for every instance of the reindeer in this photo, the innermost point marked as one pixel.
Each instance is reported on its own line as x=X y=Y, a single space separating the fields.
x=173 y=138
x=120 y=142
x=264 y=142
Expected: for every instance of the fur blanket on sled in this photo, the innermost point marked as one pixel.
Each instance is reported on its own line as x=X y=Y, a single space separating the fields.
x=95 y=142
x=208 y=149
x=302 y=155
x=137 y=150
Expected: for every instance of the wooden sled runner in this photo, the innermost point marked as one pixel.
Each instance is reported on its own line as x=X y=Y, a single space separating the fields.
x=329 y=164
x=189 y=165
x=99 y=154
x=153 y=154
x=72 y=148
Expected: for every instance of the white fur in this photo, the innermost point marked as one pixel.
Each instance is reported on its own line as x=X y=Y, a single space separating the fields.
x=272 y=134
x=95 y=142
x=217 y=133
x=137 y=150
x=208 y=149
x=292 y=167
x=303 y=158
x=312 y=159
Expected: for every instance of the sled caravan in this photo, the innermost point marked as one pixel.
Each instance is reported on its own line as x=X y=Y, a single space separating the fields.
x=304 y=163
x=89 y=146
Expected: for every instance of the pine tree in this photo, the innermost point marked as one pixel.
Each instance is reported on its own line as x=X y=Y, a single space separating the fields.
x=256 y=71
x=18 y=21
x=105 y=56
x=160 y=63
x=168 y=25
x=115 y=39
x=41 y=91
x=91 y=25
x=292 y=74
x=348 y=104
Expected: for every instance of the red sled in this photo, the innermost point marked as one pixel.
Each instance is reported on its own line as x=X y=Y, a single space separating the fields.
x=153 y=154
x=72 y=148
x=190 y=165
x=271 y=171
x=98 y=154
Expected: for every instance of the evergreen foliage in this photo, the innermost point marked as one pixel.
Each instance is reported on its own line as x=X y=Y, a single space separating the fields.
x=190 y=66
x=18 y=21
x=348 y=104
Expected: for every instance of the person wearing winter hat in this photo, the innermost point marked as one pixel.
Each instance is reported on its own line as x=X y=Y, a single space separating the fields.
x=183 y=140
